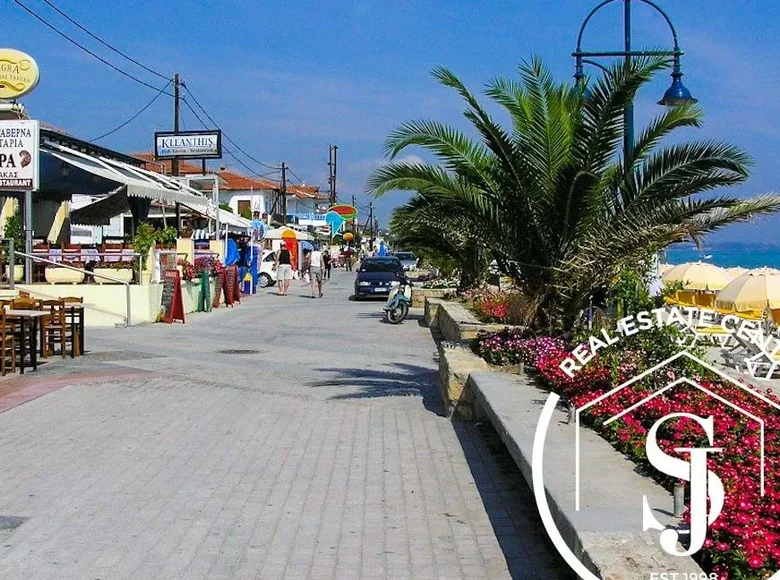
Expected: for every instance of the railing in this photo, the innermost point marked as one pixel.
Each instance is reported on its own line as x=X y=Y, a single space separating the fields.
x=85 y=272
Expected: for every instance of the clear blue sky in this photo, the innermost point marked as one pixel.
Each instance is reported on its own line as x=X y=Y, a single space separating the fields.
x=286 y=79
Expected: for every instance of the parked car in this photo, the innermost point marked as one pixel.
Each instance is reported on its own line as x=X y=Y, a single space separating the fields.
x=408 y=260
x=267 y=275
x=375 y=277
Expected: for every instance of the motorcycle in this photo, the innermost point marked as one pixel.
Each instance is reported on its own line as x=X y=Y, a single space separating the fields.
x=398 y=301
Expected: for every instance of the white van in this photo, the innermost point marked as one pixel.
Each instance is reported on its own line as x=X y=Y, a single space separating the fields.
x=267 y=275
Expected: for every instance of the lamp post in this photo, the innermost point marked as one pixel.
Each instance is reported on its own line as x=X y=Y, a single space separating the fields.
x=674 y=96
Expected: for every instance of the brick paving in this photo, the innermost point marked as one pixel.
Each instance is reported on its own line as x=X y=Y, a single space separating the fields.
x=322 y=455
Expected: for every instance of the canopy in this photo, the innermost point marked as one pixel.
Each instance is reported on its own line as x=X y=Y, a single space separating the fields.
x=137 y=182
x=233 y=221
x=276 y=234
x=736 y=272
x=754 y=290
x=698 y=276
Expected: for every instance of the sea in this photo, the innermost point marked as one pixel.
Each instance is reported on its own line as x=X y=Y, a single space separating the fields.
x=725 y=254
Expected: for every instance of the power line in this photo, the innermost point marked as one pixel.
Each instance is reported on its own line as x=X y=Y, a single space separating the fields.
x=228 y=151
x=225 y=135
x=134 y=117
x=295 y=176
x=84 y=48
x=103 y=42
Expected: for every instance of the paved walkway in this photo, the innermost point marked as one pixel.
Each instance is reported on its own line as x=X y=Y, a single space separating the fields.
x=319 y=451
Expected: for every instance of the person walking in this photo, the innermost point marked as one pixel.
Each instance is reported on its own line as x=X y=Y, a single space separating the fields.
x=283 y=268
x=316 y=269
x=327 y=261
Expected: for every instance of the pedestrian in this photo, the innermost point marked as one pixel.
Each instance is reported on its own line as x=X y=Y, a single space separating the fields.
x=304 y=271
x=283 y=268
x=316 y=268
x=328 y=261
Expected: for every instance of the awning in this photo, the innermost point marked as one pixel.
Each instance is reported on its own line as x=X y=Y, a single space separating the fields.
x=136 y=182
x=236 y=223
x=99 y=213
x=276 y=234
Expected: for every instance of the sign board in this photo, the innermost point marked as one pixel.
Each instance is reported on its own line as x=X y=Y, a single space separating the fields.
x=19 y=162
x=19 y=73
x=188 y=145
x=172 y=304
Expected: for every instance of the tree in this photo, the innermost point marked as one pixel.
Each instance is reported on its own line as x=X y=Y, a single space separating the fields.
x=556 y=204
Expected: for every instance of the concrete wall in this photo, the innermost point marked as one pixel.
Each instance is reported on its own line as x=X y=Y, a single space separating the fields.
x=108 y=302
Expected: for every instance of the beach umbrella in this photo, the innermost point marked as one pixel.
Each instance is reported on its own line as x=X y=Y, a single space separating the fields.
x=736 y=272
x=698 y=276
x=754 y=290
x=664 y=268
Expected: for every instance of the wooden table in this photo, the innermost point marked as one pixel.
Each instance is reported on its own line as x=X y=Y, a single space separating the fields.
x=25 y=317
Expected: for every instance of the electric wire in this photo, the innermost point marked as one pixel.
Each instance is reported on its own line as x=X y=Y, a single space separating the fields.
x=103 y=42
x=228 y=151
x=134 y=117
x=225 y=135
x=84 y=48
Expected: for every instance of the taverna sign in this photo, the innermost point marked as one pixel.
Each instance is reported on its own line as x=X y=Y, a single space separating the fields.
x=18 y=73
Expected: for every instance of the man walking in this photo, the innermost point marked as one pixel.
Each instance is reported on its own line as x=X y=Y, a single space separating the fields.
x=327 y=260
x=316 y=268
x=283 y=267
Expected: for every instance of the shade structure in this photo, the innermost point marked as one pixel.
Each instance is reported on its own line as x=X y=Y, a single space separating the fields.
x=278 y=234
x=754 y=290
x=698 y=276
x=736 y=272
x=664 y=268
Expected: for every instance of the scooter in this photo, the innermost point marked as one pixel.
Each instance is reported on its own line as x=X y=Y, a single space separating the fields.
x=398 y=301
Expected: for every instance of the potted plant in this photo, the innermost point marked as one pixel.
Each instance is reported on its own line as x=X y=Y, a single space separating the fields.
x=166 y=237
x=120 y=270
x=14 y=229
x=58 y=275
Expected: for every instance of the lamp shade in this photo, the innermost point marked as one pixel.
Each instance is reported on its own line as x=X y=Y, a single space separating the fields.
x=677 y=94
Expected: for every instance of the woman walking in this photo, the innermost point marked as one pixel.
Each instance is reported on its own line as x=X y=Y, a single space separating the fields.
x=326 y=259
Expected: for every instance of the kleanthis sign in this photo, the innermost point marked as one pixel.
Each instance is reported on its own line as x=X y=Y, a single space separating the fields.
x=188 y=145
x=18 y=73
x=19 y=166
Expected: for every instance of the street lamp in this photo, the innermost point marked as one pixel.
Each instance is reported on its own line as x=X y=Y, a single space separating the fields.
x=674 y=96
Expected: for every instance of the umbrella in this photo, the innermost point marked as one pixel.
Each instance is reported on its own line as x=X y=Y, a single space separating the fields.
x=754 y=290
x=698 y=276
x=306 y=245
x=736 y=272
x=664 y=268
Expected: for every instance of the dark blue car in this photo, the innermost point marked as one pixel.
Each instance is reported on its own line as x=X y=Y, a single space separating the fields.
x=376 y=276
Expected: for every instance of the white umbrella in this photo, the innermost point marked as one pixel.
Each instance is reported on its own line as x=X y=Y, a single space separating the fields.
x=698 y=276
x=754 y=290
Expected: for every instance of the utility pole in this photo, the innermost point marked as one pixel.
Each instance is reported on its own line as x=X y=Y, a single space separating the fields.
x=369 y=223
x=354 y=229
x=334 y=195
x=330 y=174
x=175 y=161
x=283 y=193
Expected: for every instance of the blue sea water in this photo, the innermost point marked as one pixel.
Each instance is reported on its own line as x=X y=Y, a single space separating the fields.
x=726 y=255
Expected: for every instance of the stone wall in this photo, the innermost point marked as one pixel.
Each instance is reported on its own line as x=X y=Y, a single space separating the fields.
x=419 y=295
x=456 y=363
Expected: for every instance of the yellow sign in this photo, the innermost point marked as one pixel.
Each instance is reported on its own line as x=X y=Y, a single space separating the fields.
x=18 y=73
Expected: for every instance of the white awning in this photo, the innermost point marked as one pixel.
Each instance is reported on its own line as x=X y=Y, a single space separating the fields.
x=235 y=222
x=138 y=182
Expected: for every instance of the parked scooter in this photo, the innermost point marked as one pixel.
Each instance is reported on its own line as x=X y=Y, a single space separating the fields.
x=399 y=301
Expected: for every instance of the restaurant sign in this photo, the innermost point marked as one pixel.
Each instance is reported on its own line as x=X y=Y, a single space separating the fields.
x=19 y=166
x=18 y=73
x=188 y=145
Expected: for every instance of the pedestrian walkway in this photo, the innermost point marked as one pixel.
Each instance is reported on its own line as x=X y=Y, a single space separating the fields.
x=284 y=438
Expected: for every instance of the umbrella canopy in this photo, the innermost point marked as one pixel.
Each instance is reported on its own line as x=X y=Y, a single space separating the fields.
x=664 y=268
x=306 y=246
x=279 y=233
x=698 y=276
x=736 y=272
x=754 y=290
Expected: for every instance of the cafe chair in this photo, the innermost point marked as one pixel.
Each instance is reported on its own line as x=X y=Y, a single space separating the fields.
x=7 y=343
x=59 y=330
x=25 y=304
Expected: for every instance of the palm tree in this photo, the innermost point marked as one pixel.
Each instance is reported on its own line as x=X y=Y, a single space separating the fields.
x=557 y=205
x=429 y=227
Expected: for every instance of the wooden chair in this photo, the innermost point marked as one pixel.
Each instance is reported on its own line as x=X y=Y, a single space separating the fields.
x=25 y=303
x=59 y=330
x=7 y=343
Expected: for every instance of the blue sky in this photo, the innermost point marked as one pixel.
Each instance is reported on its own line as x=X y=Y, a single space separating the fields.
x=286 y=79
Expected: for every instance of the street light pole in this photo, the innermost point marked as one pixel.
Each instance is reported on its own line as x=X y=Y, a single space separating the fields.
x=675 y=95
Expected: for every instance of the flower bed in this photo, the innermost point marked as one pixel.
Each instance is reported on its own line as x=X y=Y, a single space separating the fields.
x=488 y=305
x=744 y=542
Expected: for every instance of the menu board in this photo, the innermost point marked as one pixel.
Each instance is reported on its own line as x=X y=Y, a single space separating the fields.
x=172 y=304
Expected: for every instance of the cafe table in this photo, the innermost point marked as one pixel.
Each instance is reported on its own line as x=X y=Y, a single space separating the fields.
x=26 y=317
